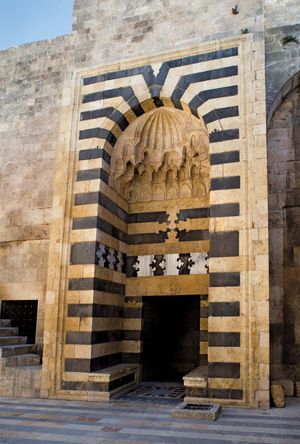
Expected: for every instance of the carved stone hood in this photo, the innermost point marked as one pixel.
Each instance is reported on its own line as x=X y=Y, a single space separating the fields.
x=161 y=147
x=159 y=133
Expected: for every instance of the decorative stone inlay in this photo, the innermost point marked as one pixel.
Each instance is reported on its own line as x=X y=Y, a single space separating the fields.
x=101 y=255
x=184 y=263
x=171 y=264
x=158 y=265
x=174 y=233
x=119 y=262
x=109 y=258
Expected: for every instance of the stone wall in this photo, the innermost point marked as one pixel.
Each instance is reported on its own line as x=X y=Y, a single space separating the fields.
x=284 y=183
x=110 y=31
x=282 y=18
x=282 y=97
x=31 y=84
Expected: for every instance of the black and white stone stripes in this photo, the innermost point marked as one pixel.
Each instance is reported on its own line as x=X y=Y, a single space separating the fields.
x=203 y=90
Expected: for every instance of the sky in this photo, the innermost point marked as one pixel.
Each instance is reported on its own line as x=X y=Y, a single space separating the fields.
x=24 y=21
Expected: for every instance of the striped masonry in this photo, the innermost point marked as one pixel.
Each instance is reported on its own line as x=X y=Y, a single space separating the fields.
x=107 y=238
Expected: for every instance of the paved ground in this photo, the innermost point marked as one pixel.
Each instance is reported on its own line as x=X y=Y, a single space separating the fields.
x=46 y=421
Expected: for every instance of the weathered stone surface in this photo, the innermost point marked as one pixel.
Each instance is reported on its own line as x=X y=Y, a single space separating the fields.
x=277 y=394
x=288 y=386
x=199 y=411
x=154 y=27
x=283 y=155
x=31 y=78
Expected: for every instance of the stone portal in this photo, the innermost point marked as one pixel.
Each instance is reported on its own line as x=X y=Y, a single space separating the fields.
x=160 y=166
x=167 y=170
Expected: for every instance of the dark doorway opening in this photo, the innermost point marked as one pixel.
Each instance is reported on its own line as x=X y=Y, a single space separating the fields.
x=170 y=337
x=23 y=314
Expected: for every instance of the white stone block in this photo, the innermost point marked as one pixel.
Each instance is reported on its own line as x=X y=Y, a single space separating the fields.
x=200 y=265
x=143 y=265
x=171 y=264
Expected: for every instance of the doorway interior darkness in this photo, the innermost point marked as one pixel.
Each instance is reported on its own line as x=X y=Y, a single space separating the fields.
x=170 y=337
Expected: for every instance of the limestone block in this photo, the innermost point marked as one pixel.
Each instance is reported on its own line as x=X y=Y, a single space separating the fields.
x=277 y=394
x=288 y=386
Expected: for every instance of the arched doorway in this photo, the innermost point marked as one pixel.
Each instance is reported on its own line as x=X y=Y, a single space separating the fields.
x=160 y=167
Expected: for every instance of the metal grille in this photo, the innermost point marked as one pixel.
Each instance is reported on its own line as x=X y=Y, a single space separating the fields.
x=23 y=314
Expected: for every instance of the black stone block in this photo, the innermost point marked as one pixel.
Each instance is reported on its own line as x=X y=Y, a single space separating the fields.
x=96 y=284
x=224 y=244
x=94 y=153
x=83 y=223
x=102 y=362
x=220 y=339
x=224 y=309
x=225 y=210
x=154 y=216
x=221 y=113
x=93 y=174
x=228 y=157
x=78 y=365
x=225 y=183
x=84 y=253
x=193 y=213
x=130 y=271
x=221 y=136
x=229 y=279
x=224 y=370
x=86 y=198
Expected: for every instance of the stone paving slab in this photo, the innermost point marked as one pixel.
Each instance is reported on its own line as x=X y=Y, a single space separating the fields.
x=56 y=421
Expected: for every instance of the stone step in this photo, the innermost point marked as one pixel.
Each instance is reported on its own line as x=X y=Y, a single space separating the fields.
x=5 y=322
x=21 y=360
x=13 y=350
x=36 y=368
x=9 y=331
x=12 y=340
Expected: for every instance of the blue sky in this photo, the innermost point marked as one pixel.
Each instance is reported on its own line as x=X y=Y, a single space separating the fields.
x=23 y=21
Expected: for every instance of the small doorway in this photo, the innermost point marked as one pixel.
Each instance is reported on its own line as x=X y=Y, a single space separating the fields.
x=170 y=337
x=23 y=314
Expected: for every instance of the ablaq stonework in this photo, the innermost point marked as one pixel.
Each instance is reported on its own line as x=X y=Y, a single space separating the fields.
x=150 y=209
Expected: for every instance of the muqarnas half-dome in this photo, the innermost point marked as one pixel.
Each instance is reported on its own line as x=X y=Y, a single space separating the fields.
x=158 y=133
x=165 y=142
